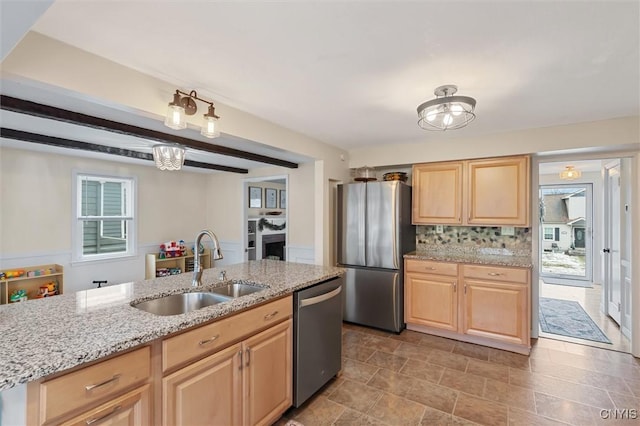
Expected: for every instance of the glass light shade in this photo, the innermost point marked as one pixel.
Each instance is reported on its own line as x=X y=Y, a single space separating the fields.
x=168 y=157
x=570 y=173
x=210 y=127
x=175 y=118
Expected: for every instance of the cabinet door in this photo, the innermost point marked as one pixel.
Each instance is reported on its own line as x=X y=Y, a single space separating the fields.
x=431 y=300
x=498 y=191
x=131 y=409
x=268 y=374
x=206 y=392
x=437 y=193
x=496 y=310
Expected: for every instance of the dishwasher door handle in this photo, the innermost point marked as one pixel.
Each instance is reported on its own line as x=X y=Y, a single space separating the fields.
x=321 y=298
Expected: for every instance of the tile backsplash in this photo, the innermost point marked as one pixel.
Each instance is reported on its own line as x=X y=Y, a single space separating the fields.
x=474 y=239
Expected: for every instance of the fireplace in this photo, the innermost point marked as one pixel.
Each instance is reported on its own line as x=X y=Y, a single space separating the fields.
x=273 y=246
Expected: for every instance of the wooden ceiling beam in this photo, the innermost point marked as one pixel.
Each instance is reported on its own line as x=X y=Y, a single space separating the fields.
x=86 y=146
x=54 y=113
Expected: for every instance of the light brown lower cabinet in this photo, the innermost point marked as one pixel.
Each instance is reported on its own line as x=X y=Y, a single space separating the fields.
x=233 y=371
x=488 y=305
x=247 y=383
x=130 y=409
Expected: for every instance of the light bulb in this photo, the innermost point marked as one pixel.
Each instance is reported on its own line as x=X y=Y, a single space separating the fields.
x=175 y=118
x=447 y=119
x=456 y=109
x=431 y=115
x=210 y=126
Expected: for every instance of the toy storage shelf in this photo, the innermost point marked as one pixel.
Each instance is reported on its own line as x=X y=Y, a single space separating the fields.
x=184 y=263
x=30 y=284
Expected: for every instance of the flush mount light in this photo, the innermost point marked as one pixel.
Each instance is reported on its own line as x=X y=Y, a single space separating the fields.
x=168 y=156
x=446 y=112
x=184 y=104
x=570 y=173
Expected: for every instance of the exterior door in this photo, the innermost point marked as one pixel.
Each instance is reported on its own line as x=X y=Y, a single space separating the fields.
x=612 y=241
x=566 y=243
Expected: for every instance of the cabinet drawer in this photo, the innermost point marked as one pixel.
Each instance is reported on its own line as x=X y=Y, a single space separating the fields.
x=496 y=273
x=431 y=267
x=212 y=337
x=83 y=387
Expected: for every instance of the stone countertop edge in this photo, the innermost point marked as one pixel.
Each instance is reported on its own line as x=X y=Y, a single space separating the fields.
x=45 y=336
x=477 y=259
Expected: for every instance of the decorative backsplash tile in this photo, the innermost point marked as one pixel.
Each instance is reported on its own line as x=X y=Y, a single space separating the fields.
x=474 y=239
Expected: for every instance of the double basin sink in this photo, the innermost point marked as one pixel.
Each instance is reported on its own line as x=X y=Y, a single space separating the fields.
x=182 y=303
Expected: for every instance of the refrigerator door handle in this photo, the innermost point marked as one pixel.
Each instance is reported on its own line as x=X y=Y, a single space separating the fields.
x=320 y=299
x=394 y=228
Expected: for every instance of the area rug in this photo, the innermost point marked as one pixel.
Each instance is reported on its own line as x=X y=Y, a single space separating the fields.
x=568 y=318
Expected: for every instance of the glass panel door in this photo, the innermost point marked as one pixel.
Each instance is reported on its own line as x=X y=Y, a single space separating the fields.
x=566 y=231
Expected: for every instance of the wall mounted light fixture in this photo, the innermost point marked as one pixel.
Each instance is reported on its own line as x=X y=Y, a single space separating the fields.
x=184 y=104
x=446 y=112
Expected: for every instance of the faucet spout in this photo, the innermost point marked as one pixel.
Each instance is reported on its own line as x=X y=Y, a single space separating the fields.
x=215 y=255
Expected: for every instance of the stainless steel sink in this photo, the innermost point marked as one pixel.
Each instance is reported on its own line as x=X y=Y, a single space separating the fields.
x=176 y=304
x=236 y=289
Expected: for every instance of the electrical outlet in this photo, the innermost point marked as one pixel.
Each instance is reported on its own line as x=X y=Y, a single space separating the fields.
x=508 y=230
x=439 y=229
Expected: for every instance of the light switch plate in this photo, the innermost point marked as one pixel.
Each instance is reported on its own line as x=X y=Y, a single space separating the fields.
x=439 y=229
x=508 y=231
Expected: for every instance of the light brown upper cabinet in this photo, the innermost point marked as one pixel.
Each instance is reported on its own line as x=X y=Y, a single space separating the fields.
x=498 y=191
x=437 y=193
x=485 y=192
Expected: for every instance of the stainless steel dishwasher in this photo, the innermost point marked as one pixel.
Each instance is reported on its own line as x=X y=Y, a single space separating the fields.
x=317 y=337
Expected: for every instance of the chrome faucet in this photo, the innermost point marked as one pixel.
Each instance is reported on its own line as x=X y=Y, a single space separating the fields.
x=215 y=255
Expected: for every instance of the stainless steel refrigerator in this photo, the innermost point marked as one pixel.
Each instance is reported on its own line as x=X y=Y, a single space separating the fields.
x=374 y=232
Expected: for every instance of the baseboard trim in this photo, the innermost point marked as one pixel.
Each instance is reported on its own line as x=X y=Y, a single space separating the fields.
x=524 y=350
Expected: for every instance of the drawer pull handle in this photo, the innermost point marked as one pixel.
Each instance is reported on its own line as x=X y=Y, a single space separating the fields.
x=97 y=419
x=106 y=382
x=495 y=274
x=430 y=268
x=207 y=341
x=455 y=286
x=271 y=315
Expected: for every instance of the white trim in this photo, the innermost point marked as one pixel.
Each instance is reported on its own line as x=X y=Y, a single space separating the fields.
x=77 y=219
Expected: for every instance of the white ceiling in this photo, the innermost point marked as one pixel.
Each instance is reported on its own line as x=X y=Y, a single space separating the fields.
x=352 y=73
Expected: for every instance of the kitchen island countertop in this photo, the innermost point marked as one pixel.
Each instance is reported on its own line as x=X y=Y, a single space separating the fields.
x=474 y=258
x=46 y=336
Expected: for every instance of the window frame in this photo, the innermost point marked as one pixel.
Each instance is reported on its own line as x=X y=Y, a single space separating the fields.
x=130 y=219
x=553 y=233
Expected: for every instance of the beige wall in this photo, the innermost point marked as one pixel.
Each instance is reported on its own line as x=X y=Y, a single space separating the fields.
x=41 y=58
x=594 y=135
x=36 y=191
x=225 y=215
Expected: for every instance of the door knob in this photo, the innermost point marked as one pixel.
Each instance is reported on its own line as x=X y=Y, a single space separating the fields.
x=606 y=251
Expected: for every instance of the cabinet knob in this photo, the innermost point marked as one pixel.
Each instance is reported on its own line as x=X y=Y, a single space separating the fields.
x=495 y=274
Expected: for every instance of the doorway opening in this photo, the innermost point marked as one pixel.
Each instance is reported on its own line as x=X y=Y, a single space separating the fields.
x=265 y=218
x=580 y=227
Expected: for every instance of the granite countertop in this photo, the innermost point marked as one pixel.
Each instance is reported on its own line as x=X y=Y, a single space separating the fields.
x=478 y=258
x=45 y=336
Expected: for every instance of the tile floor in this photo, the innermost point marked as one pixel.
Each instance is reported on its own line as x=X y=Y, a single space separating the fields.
x=589 y=299
x=418 y=379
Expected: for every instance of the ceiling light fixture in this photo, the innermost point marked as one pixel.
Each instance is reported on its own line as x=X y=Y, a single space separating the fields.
x=186 y=105
x=570 y=173
x=446 y=112
x=168 y=156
